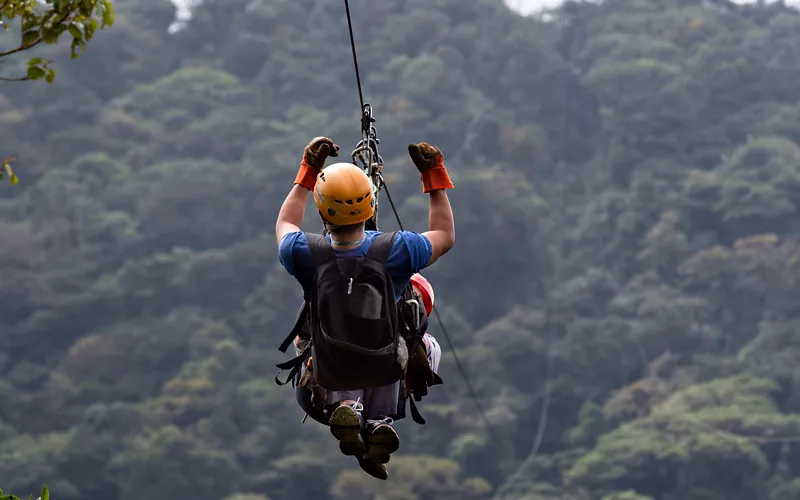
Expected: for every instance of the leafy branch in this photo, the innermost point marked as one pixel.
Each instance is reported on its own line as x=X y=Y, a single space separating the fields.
x=7 y=171
x=45 y=495
x=46 y=22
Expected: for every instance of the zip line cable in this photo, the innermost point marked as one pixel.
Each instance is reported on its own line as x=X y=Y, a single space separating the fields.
x=366 y=126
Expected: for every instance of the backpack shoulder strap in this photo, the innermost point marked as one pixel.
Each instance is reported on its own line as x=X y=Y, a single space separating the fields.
x=382 y=247
x=320 y=249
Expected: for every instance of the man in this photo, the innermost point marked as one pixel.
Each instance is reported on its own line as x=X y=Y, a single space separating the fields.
x=345 y=201
x=305 y=389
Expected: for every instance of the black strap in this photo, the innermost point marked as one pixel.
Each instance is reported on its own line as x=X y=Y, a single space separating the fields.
x=302 y=317
x=382 y=247
x=320 y=248
x=415 y=415
x=294 y=365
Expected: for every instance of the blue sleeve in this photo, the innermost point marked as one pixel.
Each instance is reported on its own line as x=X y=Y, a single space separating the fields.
x=295 y=257
x=410 y=254
x=286 y=249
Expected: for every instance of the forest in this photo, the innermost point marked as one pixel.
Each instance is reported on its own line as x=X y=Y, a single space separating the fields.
x=622 y=295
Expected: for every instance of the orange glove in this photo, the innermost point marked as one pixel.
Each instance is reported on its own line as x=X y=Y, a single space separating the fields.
x=314 y=156
x=430 y=163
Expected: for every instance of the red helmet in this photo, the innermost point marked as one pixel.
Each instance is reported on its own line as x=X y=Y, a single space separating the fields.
x=424 y=288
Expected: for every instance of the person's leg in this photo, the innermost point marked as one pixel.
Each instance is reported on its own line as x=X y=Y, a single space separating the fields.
x=349 y=427
x=380 y=437
x=346 y=421
x=303 y=397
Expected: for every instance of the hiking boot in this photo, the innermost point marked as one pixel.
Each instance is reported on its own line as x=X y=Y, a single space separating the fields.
x=382 y=440
x=346 y=424
x=373 y=468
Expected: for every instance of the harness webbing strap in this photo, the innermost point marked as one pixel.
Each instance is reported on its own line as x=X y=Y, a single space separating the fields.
x=381 y=248
x=294 y=365
x=302 y=318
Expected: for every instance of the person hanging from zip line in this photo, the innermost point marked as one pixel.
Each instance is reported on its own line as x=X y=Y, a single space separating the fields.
x=424 y=294
x=353 y=284
x=417 y=378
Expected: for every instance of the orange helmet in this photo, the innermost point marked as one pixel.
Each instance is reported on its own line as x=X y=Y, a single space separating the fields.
x=425 y=290
x=343 y=194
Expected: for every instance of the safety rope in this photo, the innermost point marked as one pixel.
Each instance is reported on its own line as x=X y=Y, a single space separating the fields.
x=370 y=141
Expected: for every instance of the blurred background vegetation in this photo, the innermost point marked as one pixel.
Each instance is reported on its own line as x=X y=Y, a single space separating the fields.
x=627 y=186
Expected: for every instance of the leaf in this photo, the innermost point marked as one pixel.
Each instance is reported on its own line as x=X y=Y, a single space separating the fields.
x=86 y=7
x=36 y=73
x=30 y=37
x=51 y=75
x=50 y=36
x=108 y=15
x=47 y=19
x=45 y=493
x=14 y=180
x=73 y=46
x=75 y=32
x=29 y=22
x=35 y=61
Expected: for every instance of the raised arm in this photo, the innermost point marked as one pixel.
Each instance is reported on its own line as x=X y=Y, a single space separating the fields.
x=291 y=214
x=435 y=180
x=441 y=227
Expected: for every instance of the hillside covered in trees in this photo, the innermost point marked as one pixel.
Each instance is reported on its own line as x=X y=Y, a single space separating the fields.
x=626 y=276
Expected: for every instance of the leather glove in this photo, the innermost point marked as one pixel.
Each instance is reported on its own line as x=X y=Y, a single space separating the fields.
x=430 y=163
x=418 y=375
x=314 y=156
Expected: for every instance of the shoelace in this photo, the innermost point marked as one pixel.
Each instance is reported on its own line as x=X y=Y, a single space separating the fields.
x=358 y=407
x=387 y=421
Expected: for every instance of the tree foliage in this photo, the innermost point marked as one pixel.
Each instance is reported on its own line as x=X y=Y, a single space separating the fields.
x=45 y=22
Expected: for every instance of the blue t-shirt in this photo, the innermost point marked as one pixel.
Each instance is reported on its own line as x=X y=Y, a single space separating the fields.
x=410 y=253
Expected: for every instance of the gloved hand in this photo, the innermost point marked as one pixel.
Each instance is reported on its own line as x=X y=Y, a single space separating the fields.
x=418 y=374
x=430 y=163
x=314 y=156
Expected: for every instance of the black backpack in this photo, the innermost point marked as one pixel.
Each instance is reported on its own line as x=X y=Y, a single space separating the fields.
x=351 y=312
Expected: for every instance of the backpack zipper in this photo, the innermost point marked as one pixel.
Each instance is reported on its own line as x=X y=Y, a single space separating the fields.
x=350 y=287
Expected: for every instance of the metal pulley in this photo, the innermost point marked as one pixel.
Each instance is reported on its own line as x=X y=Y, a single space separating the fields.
x=366 y=156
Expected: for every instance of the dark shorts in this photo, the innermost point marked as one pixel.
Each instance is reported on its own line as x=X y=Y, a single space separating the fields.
x=378 y=403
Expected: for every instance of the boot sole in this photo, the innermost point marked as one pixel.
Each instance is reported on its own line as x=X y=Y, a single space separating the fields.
x=381 y=444
x=374 y=469
x=346 y=428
